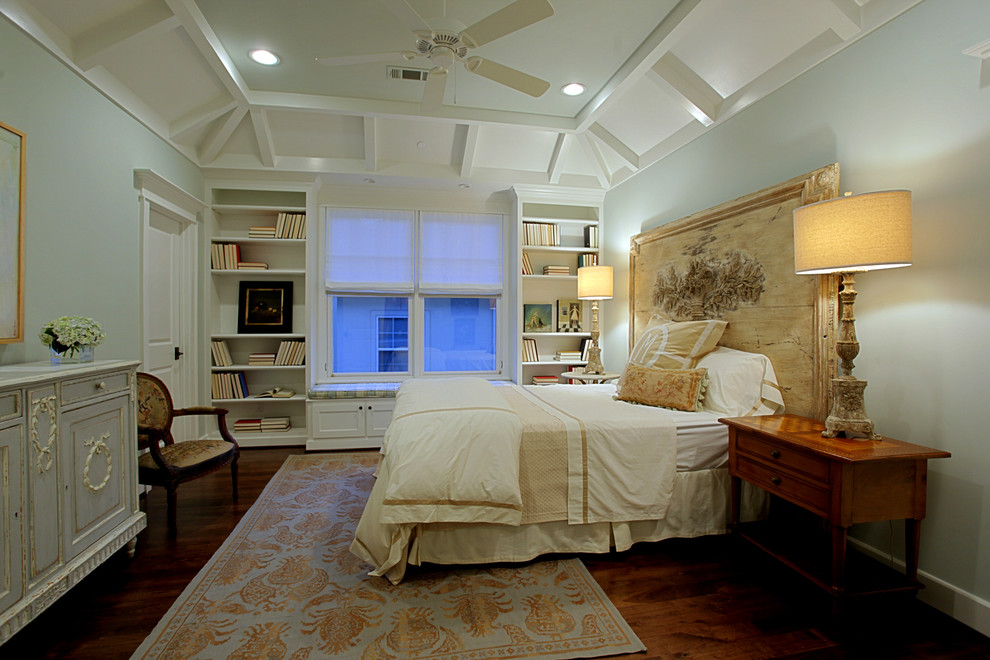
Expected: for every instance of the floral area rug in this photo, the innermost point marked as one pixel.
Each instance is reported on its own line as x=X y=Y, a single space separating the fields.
x=284 y=585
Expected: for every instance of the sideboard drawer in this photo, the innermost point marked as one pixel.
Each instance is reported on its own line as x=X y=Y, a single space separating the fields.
x=11 y=406
x=776 y=454
x=94 y=386
x=810 y=495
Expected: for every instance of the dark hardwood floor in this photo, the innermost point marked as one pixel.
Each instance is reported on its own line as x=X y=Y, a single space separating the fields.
x=711 y=597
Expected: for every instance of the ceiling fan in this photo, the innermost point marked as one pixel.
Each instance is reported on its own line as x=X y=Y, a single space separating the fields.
x=449 y=41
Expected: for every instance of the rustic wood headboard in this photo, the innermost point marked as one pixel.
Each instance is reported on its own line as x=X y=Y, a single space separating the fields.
x=735 y=262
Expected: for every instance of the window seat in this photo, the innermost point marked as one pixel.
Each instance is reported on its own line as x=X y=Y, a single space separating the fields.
x=354 y=391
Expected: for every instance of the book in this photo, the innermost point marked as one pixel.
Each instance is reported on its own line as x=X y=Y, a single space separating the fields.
x=541 y=233
x=252 y=265
x=261 y=359
x=276 y=393
x=221 y=354
x=527 y=267
x=530 y=353
x=591 y=236
x=556 y=270
x=545 y=380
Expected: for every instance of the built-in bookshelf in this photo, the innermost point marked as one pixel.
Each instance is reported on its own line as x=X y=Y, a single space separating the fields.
x=258 y=244
x=557 y=231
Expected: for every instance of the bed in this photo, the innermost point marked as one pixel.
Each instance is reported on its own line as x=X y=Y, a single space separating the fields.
x=478 y=472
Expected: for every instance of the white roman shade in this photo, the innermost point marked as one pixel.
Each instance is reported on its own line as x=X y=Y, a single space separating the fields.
x=370 y=251
x=460 y=253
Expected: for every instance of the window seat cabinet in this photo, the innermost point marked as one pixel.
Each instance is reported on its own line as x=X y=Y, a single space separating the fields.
x=68 y=479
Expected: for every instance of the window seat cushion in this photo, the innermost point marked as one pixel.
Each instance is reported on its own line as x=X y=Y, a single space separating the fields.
x=354 y=391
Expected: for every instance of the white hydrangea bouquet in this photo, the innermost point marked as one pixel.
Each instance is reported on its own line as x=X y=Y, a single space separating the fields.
x=68 y=334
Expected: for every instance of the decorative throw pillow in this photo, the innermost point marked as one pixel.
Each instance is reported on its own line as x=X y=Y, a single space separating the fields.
x=676 y=345
x=741 y=383
x=681 y=389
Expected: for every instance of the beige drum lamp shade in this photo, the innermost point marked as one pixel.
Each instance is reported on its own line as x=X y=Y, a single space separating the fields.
x=594 y=282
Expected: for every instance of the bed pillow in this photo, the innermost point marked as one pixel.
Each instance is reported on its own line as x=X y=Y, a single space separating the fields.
x=740 y=384
x=676 y=344
x=681 y=389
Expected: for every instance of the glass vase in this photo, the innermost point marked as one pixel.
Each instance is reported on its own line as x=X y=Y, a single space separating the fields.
x=74 y=356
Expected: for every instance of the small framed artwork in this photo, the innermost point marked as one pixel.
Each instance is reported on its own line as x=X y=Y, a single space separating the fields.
x=12 y=160
x=264 y=307
x=538 y=317
x=568 y=316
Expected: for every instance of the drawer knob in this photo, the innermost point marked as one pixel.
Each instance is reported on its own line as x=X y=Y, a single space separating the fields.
x=775 y=480
x=101 y=385
x=774 y=453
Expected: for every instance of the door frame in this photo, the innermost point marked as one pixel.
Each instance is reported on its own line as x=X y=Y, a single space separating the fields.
x=155 y=193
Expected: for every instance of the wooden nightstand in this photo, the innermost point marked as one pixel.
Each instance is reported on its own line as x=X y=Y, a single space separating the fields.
x=843 y=481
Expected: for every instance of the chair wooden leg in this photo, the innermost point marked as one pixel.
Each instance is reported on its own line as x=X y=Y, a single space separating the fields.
x=171 y=497
x=233 y=475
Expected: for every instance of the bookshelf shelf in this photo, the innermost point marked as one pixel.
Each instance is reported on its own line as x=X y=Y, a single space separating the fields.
x=237 y=210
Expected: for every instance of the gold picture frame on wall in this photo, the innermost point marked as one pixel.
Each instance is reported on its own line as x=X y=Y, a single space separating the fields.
x=12 y=162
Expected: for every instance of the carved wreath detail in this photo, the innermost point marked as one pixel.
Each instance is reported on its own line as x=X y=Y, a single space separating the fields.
x=43 y=406
x=97 y=446
x=710 y=286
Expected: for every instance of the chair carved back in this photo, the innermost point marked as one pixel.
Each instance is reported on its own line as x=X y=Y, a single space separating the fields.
x=154 y=408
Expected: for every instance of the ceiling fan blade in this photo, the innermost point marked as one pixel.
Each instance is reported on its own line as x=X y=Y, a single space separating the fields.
x=507 y=76
x=361 y=59
x=436 y=83
x=405 y=13
x=508 y=19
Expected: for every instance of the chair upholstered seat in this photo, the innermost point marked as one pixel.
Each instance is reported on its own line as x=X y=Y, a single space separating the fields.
x=188 y=453
x=169 y=463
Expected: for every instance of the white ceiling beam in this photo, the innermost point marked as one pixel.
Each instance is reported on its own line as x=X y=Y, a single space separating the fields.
x=687 y=16
x=981 y=51
x=215 y=142
x=556 y=162
x=25 y=16
x=620 y=148
x=263 y=133
x=193 y=121
x=370 y=144
x=844 y=17
x=470 y=146
x=684 y=84
x=209 y=46
x=597 y=160
x=98 y=44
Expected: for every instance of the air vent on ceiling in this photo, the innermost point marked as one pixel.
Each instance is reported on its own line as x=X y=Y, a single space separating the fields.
x=405 y=73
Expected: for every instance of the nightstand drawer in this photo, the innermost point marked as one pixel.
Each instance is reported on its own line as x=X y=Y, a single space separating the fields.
x=94 y=386
x=814 y=467
x=808 y=494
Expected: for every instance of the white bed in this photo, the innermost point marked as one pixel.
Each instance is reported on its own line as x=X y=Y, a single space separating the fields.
x=624 y=481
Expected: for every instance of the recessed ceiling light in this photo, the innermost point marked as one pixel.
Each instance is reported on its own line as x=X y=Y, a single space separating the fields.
x=573 y=89
x=465 y=186
x=369 y=180
x=262 y=56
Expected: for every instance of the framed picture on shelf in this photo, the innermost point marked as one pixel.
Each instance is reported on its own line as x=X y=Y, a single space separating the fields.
x=538 y=317
x=12 y=161
x=264 y=307
x=568 y=316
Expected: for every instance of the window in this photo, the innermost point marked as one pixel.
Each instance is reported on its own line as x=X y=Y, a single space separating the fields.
x=412 y=292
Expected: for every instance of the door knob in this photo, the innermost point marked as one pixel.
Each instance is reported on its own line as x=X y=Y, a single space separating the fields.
x=178 y=353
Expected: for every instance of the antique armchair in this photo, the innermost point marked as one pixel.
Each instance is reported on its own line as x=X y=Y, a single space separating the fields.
x=168 y=463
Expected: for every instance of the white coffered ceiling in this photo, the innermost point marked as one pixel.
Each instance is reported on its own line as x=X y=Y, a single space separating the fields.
x=658 y=74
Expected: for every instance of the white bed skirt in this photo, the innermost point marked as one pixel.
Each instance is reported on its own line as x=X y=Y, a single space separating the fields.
x=700 y=506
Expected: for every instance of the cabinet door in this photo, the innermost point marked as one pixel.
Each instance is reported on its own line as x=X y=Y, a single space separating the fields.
x=96 y=471
x=11 y=439
x=338 y=419
x=43 y=485
x=378 y=415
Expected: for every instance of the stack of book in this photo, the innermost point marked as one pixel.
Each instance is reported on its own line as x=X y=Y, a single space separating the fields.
x=556 y=270
x=291 y=353
x=261 y=232
x=221 y=354
x=541 y=233
x=568 y=356
x=224 y=256
x=545 y=380
x=529 y=350
x=290 y=225
x=247 y=426
x=591 y=236
x=269 y=424
x=261 y=359
x=229 y=385
x=252 y=265
x=587 y=259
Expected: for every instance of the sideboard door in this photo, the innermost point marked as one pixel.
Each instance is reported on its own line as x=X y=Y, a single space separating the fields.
x=43 y=508
x=96 y=468
x=11 y=587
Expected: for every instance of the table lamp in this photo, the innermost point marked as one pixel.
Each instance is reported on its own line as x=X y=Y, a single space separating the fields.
x=845 y=235
x=594 y=284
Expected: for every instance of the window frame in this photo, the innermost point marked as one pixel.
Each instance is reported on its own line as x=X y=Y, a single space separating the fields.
x=323 y=328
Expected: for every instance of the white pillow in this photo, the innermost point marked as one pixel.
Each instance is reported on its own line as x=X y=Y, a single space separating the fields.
x=740 y=384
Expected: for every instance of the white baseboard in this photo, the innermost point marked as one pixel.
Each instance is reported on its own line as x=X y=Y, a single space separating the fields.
x=961 y=605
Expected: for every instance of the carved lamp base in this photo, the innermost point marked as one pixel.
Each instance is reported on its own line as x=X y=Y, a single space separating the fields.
x=848 y=415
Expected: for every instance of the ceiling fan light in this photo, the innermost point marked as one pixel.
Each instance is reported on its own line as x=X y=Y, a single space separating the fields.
x=573 y=89
x=262 y=56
